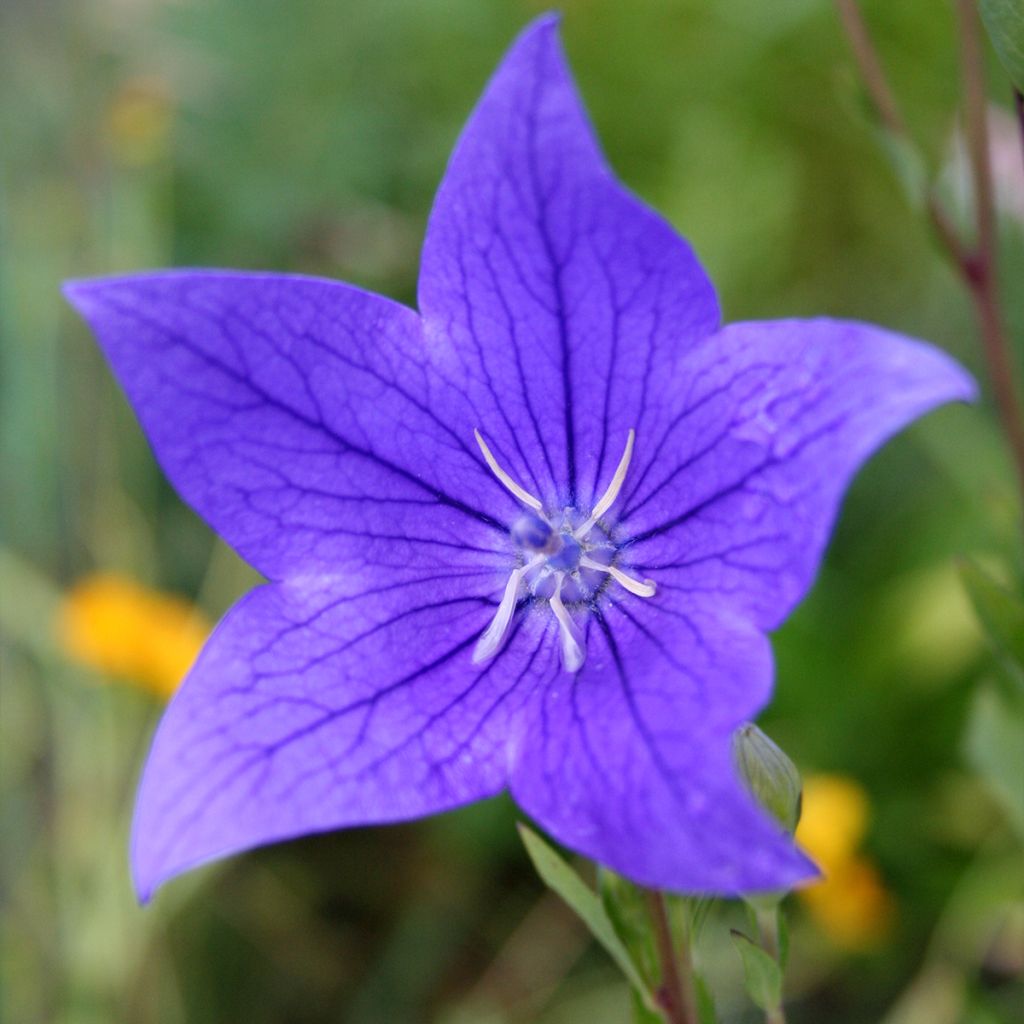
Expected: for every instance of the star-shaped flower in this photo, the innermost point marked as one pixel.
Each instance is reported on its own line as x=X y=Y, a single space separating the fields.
x=529 y=537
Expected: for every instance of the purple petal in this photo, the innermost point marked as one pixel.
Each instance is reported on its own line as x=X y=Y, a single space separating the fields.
x=735 y=500
x=629 y=761
x=322 y=704
x=303 y=419
x=569 y=304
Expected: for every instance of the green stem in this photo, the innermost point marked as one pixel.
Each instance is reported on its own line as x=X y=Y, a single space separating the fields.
x=768 y=924
x=676 y=996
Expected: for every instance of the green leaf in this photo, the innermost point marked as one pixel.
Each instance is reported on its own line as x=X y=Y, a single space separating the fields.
x=561 y=878
x=907 y=164
x=626 y=906
x=1004 y=20
x=642 y=1013
x=1000 y=611
x=706 y=1012
x=762 y=976
x=995 y=748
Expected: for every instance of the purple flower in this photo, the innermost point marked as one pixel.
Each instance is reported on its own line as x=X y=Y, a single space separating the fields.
x=530 y=537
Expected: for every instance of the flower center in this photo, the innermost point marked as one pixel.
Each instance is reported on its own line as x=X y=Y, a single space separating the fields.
x=565 y=560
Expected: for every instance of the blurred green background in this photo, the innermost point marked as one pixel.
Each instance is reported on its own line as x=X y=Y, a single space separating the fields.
x=309 y=136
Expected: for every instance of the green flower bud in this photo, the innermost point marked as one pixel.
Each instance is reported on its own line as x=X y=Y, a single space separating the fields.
x=769 y=775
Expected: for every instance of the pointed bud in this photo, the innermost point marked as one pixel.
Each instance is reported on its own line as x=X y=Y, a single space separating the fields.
x=769 y=775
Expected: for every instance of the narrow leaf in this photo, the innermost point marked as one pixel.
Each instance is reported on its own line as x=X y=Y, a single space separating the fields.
x=1000 y=611
x=627 y=909
x=706 y=1012
x=762 y=976
x=1004 y=20
x=995 y=748
x=907 y=164
x=642 y=1013
x=561 y=878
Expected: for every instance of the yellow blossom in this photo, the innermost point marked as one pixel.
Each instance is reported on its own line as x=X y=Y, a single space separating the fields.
x=851 y=904
x=139 y=122
x=123 y=629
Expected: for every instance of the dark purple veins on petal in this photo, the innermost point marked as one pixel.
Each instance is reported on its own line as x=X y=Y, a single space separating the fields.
x=529 y=538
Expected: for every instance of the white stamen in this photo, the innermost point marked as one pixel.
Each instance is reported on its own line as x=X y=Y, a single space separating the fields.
x=521 y=493
x=494 y=635
x=642 y=588
x=569 y=635
x=614 y=487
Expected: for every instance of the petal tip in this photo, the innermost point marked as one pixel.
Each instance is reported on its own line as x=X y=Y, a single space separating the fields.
x=144 y=882
x=76 y=291
x=542 y=31
x=968 y=390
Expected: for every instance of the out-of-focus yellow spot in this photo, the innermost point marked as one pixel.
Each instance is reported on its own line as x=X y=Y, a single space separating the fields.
x=139 y=122
x=851 y=904
x=833 y=819
x=123 y=629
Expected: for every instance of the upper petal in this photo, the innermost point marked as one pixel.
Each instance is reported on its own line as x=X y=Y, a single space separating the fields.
x=303 y=419
x=323 y=703
x=735 y=499
x=567 y=302
x=629 y=760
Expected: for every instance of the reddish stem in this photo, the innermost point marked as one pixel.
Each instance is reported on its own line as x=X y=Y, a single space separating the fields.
x=975 y=265
x=675 y=997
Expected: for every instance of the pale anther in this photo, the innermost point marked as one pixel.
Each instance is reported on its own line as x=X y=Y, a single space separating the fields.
x=569 y=635
x=642 y=588
x=609 y=496
x=520 y=492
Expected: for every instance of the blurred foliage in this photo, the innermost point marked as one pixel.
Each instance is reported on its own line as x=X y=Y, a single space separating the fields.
x=1004 y=20
x=310 y=136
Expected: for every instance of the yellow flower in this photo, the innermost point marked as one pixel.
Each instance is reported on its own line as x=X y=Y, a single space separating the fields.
x=121 y=628
x=139 y=122
x=851 y=904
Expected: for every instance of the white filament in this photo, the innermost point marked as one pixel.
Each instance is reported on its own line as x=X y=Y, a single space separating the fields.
x=609 y=496
x=642 y=588
x=494 y=635
x=520 y=492
x=569 y=635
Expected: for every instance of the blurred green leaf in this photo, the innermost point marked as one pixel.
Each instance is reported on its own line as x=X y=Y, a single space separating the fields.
x=626 y=907
x=1004 y=20
x=762 y=976
x=561 y=878
x=995 y=748
x=706 y=1012
x=642 y=1013
x=1000 y=612
x=907 y=165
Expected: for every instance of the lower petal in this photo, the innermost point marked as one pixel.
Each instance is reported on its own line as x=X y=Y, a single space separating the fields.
x=629 y=761
x=314 y=706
